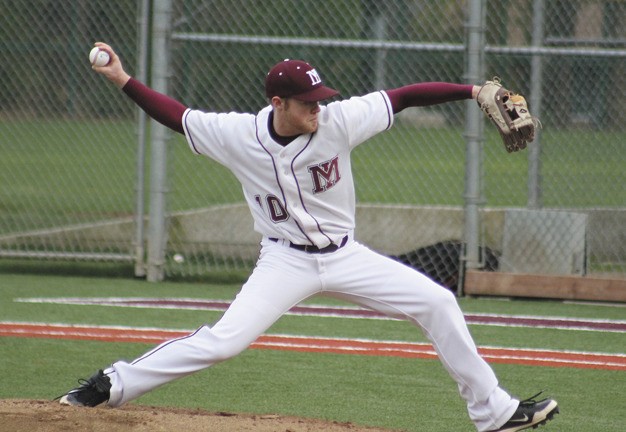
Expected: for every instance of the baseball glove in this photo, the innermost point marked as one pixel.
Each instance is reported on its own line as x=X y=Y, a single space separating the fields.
x=509 y=112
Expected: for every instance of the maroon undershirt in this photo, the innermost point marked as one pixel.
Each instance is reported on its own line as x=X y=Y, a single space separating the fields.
x=428 y=93
x=160 y=107
x=169 y=112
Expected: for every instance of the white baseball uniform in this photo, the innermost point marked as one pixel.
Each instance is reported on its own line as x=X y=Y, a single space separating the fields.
x=303 y=194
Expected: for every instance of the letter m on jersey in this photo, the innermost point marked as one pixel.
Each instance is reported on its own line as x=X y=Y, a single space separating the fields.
x=325 y=175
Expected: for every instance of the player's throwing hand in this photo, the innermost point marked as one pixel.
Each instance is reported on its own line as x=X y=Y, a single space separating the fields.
x=113 y=71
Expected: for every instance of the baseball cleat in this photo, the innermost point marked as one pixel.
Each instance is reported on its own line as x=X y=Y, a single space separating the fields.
x=91 y=392
x=530 y=414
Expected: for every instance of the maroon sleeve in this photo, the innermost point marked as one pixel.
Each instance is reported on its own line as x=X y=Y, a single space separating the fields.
x=160 y=107
x=429 y=93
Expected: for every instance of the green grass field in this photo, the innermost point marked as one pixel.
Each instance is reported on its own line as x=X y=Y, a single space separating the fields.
x=55 y=170
x=59 y=172
x=408 y=394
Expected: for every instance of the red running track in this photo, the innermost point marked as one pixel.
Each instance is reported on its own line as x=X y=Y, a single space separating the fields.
x=522 y=356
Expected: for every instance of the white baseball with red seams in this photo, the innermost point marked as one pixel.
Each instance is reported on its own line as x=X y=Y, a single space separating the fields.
x=303 y=194
x=99 y=57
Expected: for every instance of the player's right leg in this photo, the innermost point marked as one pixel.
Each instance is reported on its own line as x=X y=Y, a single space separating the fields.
x=278 y=282
x=379 y=283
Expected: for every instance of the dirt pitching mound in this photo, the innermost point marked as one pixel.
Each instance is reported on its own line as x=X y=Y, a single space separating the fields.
x=19 y=415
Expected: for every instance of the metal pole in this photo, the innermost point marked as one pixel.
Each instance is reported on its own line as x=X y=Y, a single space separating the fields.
x=474 y=138
x=142 y=75
x=536 y=78
x=380 y=30
x=157 y=229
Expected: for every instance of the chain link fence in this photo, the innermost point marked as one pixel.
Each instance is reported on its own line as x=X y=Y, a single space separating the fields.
x=72 y=165
x=67 y=164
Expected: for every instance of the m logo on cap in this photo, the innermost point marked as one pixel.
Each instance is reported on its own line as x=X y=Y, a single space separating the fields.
x=296 y=79
x=315 y=78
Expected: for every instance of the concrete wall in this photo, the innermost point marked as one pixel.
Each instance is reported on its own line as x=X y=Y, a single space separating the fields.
x=391 y=229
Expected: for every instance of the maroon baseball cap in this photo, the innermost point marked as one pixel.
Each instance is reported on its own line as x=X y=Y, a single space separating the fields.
x=296 y=79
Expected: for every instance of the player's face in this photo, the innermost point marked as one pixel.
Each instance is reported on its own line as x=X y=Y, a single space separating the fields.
x=297 y=117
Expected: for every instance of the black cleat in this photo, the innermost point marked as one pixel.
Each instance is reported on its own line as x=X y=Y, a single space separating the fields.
x=530 y=414
x=91 y=392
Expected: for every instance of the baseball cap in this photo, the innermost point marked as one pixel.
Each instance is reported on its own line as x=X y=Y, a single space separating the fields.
x=296 y=79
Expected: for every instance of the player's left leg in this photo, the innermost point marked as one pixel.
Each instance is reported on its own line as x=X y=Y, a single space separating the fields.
x=272 y=288
x=362 y=276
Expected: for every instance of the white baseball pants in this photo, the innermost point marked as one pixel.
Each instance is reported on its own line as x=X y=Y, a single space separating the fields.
x=283 y=277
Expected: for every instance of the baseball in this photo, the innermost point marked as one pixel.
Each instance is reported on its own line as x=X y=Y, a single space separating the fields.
x=99 y=57
x=178 y=258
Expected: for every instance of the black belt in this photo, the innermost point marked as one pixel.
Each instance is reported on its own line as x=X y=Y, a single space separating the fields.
x=314 y=249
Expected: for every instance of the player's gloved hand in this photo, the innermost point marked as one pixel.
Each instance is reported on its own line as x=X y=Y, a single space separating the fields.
x=509 y=112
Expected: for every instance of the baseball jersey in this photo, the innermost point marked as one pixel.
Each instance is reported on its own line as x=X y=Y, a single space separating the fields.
x=302 y=192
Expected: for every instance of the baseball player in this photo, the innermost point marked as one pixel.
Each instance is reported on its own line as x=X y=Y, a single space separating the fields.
x=293 y=161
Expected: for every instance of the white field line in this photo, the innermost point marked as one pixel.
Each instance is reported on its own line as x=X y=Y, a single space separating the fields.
x=320 y=343
x=348 y=312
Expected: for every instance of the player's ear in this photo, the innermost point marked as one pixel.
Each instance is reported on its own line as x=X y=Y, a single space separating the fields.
x=279 y=103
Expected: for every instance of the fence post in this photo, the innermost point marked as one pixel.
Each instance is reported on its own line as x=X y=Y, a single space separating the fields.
x=143 y=25
x=536 y=81
x=157 y=228
x=475 y=44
